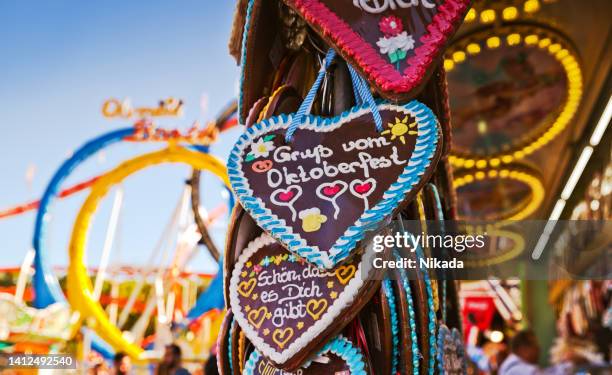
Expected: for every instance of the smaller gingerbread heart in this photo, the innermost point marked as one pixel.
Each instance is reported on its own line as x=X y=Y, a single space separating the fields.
x=288 y=307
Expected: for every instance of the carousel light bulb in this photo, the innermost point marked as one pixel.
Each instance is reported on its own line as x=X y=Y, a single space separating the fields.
x=544 y=43
x=473 y=48
x=531 y=39
x=510 y=13
x=531 y=6
x=487 y=16
x=448 y=65
x=459 y=56
x=470 y=16
x=513 y=39
x=561 y=54
x=493 y=42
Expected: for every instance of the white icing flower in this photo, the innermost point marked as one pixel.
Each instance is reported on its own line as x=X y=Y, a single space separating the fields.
x=385 y=45
x=402 y=41
x=262 y=148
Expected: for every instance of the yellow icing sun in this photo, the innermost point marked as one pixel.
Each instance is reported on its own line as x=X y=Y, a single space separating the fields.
x=400 y=128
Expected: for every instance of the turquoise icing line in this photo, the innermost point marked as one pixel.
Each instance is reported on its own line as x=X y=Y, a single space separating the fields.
x=388 y=290
x=431 y=315
x=444 y=300
x=411 y=317
x=425 y=148
x=245 y=35
x=442 y=332
x=339 y=346
x=438 y=204
x=229 y=347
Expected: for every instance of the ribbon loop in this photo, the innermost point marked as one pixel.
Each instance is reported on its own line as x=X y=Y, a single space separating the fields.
x=361 y=90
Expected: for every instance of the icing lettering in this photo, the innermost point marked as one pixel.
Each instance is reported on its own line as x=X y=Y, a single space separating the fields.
x=379 y=6
x=363 y=144
x=266 y=368
x=291 y=310
x=367 y=162
x=295 y=291
x=277 y=277
x=284 y=154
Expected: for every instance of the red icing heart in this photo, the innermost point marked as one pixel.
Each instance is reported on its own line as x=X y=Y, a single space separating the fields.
x=363 y=188
x=286 y=196
x=330 y=191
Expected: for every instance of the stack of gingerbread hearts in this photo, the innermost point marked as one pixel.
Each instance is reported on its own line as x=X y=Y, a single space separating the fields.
x=323 y=166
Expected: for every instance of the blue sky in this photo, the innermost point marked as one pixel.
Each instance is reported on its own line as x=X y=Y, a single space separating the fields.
x=59 y=60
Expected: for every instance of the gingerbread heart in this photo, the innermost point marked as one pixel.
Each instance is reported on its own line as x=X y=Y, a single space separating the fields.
x=295 y=306
x=339 y=356
x=394 y=44
x=337 y=179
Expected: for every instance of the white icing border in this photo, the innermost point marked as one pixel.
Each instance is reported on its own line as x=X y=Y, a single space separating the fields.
x=339 y=305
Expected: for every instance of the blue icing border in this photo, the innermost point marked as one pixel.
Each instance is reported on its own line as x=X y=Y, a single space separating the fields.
x=229 y=346
x=416 y=353
x=431 y=314
x=440 y=212
x=339 y=346
x=388 y=290
x=424 y=150
x=245 y=35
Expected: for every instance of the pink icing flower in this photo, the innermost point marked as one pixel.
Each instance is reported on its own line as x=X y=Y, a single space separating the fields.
x=391 y=26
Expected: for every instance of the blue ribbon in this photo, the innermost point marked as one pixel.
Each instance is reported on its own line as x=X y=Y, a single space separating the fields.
x=361 y=91
x=363 y=95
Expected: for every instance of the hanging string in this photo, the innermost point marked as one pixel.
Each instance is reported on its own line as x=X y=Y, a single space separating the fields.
x=363 y=96
x=308 y=100
x=360 y=88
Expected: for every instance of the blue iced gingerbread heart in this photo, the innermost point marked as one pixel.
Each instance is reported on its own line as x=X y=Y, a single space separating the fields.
x=337 y=179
